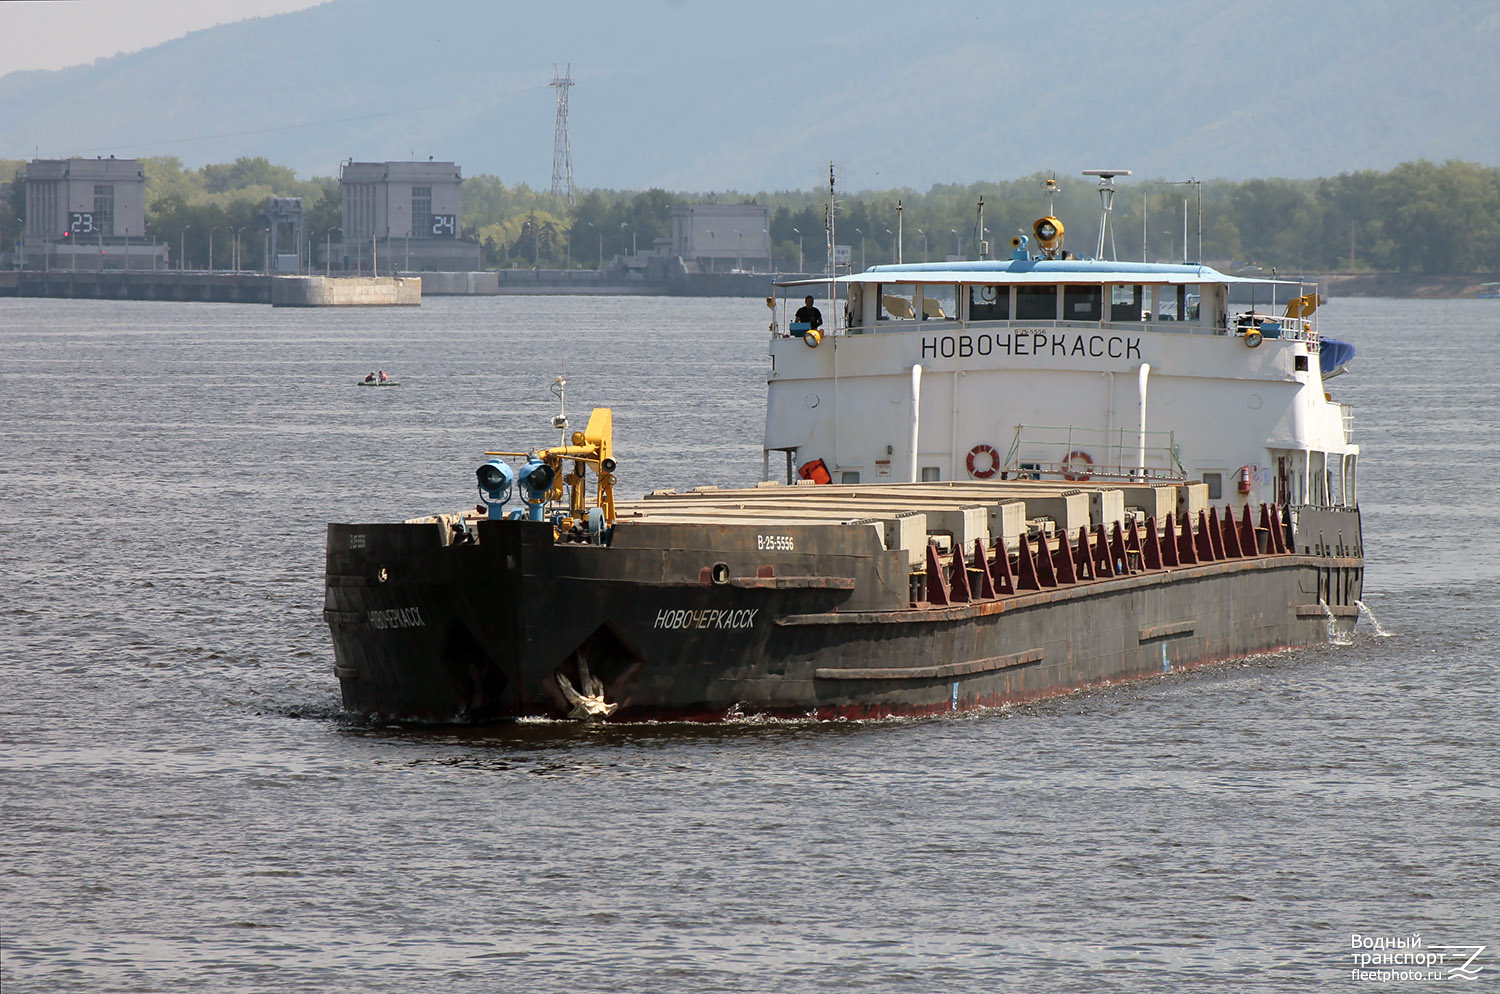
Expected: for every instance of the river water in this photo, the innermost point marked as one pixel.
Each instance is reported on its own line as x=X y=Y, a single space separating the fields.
x=185 y=808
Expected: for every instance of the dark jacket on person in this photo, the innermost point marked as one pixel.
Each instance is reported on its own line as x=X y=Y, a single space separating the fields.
x=808 y=314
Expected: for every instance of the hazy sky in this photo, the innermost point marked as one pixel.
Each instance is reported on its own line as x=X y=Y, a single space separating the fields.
x=52 y=34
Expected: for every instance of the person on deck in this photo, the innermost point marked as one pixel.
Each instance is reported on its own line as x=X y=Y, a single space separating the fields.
x=808 y=314
x=370 y=378
x=383 y=377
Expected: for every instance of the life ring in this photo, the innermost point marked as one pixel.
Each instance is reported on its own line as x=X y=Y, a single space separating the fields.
x=986 y=450
x=1075 y=465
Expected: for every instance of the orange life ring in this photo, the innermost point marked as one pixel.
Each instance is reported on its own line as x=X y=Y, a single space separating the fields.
x=994 y=467
x=1075 y=465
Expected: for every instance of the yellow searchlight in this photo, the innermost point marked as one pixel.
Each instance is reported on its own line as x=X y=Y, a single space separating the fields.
x=1049 y=233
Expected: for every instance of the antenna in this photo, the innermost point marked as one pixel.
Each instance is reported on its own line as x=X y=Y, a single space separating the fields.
x=560 y=420
x=828 y=227
x=1106 y=205
x=984 y=245
x=562 y=153
x=1051 y=188
x=900 y=236
x=1198 y=183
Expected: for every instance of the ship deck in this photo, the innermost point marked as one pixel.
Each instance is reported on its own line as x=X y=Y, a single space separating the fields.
x=995 y=508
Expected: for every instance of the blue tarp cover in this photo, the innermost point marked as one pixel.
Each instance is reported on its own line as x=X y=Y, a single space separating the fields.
x=1334 y=354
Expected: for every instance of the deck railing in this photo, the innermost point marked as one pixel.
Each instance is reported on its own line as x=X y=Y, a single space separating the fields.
x=1079 y=453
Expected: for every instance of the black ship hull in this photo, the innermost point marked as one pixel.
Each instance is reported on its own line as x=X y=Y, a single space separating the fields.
x=704 y=622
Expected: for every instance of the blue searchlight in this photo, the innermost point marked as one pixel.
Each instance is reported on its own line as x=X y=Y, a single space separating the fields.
x=495 y=479
x=536 y=482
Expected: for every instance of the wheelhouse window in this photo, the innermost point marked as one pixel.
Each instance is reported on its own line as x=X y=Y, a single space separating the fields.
x=1178 y=303
x=989 y=303
x=1082 y=303
x=1036 y=303
x=1192 y=300
x=898 y=302
x=940 y=302
x=1128 y=303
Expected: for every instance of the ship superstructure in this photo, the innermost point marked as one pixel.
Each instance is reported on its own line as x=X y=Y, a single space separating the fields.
x=1046 y=365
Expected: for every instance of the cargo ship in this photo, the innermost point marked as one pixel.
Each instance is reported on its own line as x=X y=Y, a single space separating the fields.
x=995 y=480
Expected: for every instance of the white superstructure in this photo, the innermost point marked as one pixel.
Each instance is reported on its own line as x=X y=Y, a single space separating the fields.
x=1050 y=366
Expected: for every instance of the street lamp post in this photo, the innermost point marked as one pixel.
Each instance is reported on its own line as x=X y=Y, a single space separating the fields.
x=923 y=235
x=957 y=248
x=799 y=249
x=407 y=246
x=861 y=235
x=739 y=252
x=211 y=231
x=234 y=254
x=600 y=232
x=328 y=248
x=182 y=248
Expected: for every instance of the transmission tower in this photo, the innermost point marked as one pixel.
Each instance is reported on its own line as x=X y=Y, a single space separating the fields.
x=562 y=153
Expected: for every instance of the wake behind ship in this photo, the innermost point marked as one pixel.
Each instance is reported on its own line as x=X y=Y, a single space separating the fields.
x=1003 y=479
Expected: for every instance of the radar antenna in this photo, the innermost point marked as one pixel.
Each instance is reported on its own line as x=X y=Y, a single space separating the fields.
x=1106 y=205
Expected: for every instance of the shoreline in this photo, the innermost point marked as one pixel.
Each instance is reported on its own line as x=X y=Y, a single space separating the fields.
x=256 y=288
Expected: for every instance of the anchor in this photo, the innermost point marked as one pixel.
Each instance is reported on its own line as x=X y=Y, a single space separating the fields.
x=588 y=703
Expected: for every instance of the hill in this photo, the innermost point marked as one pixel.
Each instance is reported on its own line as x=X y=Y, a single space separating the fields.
x=710 y=96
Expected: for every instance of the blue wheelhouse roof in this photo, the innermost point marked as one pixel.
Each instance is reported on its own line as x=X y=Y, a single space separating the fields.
x=1051 y=271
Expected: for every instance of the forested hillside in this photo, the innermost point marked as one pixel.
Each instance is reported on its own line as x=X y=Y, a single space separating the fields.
x=1421 y=217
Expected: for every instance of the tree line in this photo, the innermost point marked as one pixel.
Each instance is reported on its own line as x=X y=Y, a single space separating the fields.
x=1420 y=217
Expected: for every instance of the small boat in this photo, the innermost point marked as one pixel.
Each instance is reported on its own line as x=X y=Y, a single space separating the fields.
x=378 y=383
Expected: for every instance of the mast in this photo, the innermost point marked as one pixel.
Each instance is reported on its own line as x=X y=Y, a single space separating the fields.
x=983 y=242
x=1106 y=205
x=1198 y=185
x=899 y=238
x=832 y=268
